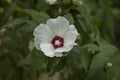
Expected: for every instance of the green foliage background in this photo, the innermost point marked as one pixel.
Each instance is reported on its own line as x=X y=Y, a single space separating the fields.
x=96 y=57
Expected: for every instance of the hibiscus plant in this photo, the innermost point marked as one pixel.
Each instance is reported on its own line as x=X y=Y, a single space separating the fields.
x=59 y=40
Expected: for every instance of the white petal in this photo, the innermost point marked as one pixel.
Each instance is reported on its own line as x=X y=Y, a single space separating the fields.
x=59 y=25
x=37 y=43
x=71 y=34
x=47 y=49
x=65 y=48
x=43 y=33
x=58 y=54
x=69 y=40
x=51 y=2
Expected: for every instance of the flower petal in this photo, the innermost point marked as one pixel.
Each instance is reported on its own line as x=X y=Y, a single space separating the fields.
x=37 y=43
x=51 y=2
x=71 y=34
x=47 y=49
x=65 y=48
x=58 y=54
x=43 y=33
x=59 y=25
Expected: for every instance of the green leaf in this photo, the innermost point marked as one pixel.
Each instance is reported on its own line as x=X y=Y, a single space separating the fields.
x=8 y=12
x=41 y=5
x=85 y=19
x=70 y=18
x=91 y=48
x=61 y=64
x=99 y=60
x=56 y=64
x=85 y=12
x=37 y=58
x=81 y=58
x=26 y=60
x=114 y=70
x=40 y=17
x=51 y=64
x=15 y=22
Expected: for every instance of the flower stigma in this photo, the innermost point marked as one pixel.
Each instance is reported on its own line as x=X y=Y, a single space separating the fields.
x=57 y=42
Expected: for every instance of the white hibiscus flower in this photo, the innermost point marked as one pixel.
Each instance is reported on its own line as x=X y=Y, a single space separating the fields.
x=51 y=2
x=55 y=37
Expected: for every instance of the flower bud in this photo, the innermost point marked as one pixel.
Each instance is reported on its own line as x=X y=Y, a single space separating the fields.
x=107 y=67
x=78 y=36
x=2 y=31
x=109 y=64
x=51 y=2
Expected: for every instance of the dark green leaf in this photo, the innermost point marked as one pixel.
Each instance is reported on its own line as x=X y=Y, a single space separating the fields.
x=70 y=18
x=81 y=58
x=99 y=60
x=41 y=5
x=41 y=17
x=91 y=48
x=114 y=70
x=37 y=58
x=15 y=22
x=61 y=64
x=56 y=64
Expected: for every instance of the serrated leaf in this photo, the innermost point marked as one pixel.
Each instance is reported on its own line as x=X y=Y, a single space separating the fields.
x=99 y=60
x=40 y=17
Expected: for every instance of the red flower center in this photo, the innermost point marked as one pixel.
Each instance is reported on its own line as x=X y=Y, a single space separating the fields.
x=57 y=42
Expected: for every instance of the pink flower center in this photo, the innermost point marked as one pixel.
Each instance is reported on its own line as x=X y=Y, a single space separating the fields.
x=57 y=42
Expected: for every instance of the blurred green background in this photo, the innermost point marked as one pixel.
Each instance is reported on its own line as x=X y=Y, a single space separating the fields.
x=97 y=21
